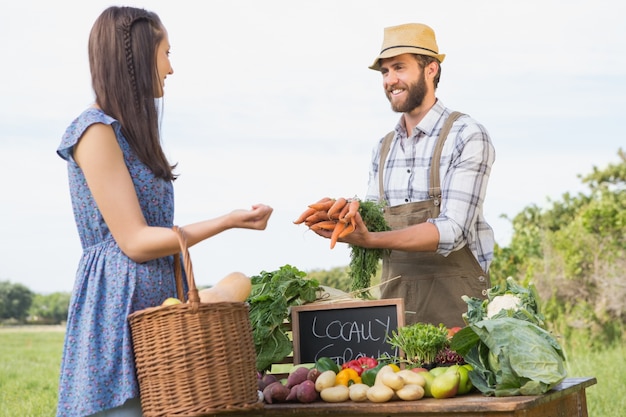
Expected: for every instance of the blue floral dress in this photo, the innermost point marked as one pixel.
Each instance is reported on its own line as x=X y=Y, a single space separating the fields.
x=98 y=368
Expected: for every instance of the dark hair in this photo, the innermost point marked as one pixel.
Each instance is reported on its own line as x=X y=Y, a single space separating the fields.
x=424 y=61
x=124 y=77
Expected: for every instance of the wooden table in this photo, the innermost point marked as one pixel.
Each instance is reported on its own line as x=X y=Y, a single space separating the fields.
x=566 y=400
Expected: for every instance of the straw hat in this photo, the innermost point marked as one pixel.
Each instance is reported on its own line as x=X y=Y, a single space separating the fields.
x=411 y=38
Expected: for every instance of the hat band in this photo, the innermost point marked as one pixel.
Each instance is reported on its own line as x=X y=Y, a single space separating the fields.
x=409 y=46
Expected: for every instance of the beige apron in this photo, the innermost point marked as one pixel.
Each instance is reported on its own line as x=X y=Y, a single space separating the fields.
x=431 y=284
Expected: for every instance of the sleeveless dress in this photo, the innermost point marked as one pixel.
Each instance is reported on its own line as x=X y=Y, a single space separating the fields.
x=98 y=368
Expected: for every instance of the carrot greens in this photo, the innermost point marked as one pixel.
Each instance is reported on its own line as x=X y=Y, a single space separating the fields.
x=364 y=261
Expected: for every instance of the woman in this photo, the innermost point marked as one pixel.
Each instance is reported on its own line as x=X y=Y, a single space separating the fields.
x=122 y=198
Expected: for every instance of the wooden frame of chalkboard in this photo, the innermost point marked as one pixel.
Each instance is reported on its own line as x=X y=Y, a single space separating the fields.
x=346 y=330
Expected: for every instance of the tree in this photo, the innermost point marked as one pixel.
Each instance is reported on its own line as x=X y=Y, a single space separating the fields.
x=335 y=278
x=15 y=300
x=339 y=279
x=51 y=308
x=575 y=252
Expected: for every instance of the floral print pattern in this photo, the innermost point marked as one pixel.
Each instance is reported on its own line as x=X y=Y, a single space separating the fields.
x=98 y=369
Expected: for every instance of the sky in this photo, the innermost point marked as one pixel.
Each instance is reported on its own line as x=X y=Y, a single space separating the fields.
x=272 y=102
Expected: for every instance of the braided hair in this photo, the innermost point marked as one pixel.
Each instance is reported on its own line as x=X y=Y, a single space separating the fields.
x=124 y=77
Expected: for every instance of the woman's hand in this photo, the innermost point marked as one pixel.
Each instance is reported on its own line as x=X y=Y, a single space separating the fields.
x=255 y=218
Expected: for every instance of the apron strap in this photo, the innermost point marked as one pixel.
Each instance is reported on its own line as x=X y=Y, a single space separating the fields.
x=384 y=151
x=435 y=184
x=434 y=191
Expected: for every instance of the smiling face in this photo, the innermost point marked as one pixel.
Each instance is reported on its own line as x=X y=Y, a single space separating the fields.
x=407 y=85
x=164 y=67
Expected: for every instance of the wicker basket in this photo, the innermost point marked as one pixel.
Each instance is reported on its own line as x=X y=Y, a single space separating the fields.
x=194 y=358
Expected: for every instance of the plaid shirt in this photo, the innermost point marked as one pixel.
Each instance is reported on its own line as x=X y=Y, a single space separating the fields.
x=466 y=161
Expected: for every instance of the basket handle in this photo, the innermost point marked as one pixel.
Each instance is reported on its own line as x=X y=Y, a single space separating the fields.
x=192 y=294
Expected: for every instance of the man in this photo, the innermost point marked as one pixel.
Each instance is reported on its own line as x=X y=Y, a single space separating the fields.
x=440 y=244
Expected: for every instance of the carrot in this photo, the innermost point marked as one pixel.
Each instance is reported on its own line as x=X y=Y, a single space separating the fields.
x=335 y=208
x=350 y=227
x=306 y=213
x=353 y=207
x=322 y=205
x=343 y=212
x=316 y=217
x=324 y=225
x=336 y=232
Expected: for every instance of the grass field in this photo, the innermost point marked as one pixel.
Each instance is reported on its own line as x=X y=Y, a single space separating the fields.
x=30 y=358
x=29 y=371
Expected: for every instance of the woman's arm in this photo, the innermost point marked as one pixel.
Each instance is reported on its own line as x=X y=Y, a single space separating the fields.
x=102 y=162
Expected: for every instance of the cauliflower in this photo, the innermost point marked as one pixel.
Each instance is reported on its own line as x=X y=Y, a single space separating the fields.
x=502 y=302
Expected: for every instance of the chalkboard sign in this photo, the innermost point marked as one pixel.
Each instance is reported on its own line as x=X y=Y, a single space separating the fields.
x=344 y=331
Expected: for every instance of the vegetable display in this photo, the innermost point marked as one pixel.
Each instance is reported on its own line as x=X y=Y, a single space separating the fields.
x=337 y=215
x=506 y=342
x=377 y=384
x=272 y=295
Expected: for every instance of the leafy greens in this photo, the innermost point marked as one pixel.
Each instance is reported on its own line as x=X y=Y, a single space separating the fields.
x=272 y=295
x=511 y=351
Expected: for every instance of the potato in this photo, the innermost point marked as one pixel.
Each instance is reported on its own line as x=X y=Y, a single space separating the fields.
x=411 y=377
x=392 y=380
x=379 y=393
x=325 y=380
x=410 y=392
x=336 y=394
x=382 y=371
x=358 y=392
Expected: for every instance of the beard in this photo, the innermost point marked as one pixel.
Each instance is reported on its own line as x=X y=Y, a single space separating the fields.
x=415 y=97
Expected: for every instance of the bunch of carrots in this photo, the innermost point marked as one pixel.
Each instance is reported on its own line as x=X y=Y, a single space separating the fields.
x=333 y=214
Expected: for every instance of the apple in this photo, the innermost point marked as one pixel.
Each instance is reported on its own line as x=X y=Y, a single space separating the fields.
x=452 y=331
x=171 y=301
x=418 y=370
x=445 y=385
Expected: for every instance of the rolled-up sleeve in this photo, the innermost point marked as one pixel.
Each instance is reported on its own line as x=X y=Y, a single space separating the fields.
x=464 y=186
